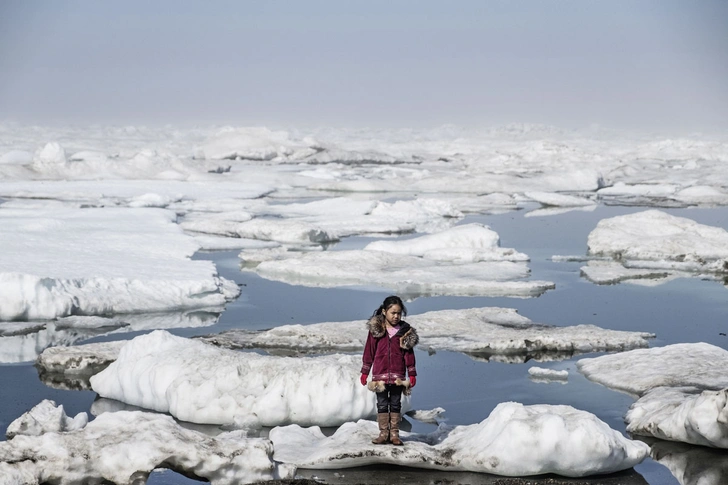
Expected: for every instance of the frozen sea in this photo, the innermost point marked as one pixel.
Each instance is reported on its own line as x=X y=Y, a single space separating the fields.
x=676 y=310
x=468 y=388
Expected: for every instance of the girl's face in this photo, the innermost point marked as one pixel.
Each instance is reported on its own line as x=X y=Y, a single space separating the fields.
x=393 y=315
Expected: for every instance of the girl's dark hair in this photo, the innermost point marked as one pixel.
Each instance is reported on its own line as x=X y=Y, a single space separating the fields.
x=388 y=302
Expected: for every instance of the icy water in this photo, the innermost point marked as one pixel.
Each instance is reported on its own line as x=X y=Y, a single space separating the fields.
x=683 y=310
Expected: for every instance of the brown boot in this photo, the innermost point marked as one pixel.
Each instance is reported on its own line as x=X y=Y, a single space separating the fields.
x=383 y=421
x=394 y=419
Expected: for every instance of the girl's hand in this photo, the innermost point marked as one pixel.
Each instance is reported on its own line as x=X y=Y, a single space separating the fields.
x=413 y=381
x=363 y=379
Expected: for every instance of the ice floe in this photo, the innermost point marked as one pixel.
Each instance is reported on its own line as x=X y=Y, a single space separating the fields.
x=197 y=382
x=637 y=371
x=681 y=390
x=478 y=331
x=101 y=261
x=539 y=374
x=464 y=260
x=468 y=243
x=658 y=236
x=515 y=440
x=125 y=447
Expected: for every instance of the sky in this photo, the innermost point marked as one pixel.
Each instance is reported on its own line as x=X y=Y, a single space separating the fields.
x=616 y=63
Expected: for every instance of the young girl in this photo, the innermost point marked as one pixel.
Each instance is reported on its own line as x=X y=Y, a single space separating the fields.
x=389 y=354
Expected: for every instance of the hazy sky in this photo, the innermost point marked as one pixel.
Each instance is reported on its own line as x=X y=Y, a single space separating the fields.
x=393 y=64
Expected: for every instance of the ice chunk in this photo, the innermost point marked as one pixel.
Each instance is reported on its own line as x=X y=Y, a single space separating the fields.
x=542 y=374
x=681 y=414
x=515 y=440
x=655 y=235
x=410 y=276
x=126 y=446
x=199 y=383
x=45 y=417
x=461 y=244
x=637 y=371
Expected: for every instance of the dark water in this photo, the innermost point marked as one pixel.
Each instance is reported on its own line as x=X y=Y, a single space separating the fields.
x=683 y=310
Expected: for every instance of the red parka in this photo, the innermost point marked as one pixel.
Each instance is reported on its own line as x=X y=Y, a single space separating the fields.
x=389 y=358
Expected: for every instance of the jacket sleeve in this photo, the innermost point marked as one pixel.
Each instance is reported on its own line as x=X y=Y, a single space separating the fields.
x=409 y=361
x=368 y=357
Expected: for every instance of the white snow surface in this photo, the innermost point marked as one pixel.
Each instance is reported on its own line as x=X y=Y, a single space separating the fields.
x=487 y=330
x=197 y=382
x=636 y=371
x=126 y=446
x=515 y=440
x=655 y=235
x=469 y=243
x=101 y=261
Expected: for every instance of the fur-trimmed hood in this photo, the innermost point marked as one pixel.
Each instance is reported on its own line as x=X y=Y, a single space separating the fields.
x=407 y=334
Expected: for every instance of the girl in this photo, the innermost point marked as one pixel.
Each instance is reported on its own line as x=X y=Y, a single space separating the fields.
x=389 y=354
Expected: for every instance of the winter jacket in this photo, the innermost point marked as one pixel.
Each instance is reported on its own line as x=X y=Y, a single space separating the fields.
x=389 y=358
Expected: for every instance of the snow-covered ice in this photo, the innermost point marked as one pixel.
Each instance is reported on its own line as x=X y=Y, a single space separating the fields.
x=515 y=440
x=658 y=236
x=101 y=261
x=469 y=243
x=487 y=330
x=197 y=382
x=636 y=371
x=125 y=447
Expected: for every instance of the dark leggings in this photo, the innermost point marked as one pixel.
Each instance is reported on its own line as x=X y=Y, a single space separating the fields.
x=390 y=400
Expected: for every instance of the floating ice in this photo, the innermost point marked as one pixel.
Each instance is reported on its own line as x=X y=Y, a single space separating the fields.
x=558 y=200
x=101 y=261
x=488 y=330
x=469 y=243
x=515 y=440
x=548 y=374
x=45 y=417
x=637 y=371
x=409 y=276
x=681 y=414
x=125 y=447
x=199 y=383
x=681 y=390
x=657 y=236
x=326 y=220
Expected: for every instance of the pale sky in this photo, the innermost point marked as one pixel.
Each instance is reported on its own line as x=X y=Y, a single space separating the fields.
x=629 y=63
